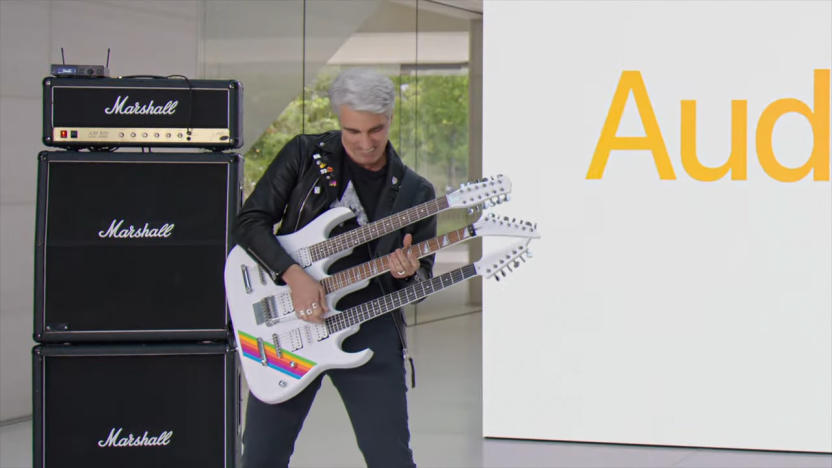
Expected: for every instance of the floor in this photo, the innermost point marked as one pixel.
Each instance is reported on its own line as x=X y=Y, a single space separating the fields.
x=446 y=422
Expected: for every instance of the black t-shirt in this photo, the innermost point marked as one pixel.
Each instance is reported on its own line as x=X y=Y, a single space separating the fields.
x=367 y=183
x=368 y=186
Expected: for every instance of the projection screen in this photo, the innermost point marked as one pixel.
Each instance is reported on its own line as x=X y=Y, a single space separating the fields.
x=676 y=158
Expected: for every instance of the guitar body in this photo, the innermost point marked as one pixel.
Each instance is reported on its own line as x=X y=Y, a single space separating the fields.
x=281 y=360
x=261 y=310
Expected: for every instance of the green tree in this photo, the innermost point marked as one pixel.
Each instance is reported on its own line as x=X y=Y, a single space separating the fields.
x=312 y=116
x=429 y=129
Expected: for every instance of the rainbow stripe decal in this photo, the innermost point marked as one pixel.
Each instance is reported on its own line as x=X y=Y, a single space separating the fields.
x=288 y=363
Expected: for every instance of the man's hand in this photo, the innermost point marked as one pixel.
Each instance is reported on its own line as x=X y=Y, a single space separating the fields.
x=404 y=265
x=308 y=296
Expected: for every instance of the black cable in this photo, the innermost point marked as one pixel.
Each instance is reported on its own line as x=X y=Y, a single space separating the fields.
x=152 y=77
x=189 y=119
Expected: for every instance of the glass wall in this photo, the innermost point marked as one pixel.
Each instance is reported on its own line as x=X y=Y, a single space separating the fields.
x=287 y=53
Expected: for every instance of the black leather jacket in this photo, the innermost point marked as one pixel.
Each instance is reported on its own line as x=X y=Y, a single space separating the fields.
x=295 y=189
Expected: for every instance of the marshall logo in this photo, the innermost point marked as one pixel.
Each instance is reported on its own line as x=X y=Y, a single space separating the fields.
x=114 y=439
x=120 y=107
x=115 y=231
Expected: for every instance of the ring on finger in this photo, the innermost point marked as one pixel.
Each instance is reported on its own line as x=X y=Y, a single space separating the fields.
x=314 y=305
x=400 y=273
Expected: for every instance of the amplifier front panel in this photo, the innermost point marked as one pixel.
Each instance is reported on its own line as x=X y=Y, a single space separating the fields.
x=135 y=406
x=134 y=247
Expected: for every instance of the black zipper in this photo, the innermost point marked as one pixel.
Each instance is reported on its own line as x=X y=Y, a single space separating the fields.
x=300 y=210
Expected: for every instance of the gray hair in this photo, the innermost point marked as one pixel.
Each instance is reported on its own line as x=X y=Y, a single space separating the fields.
x=362 y=89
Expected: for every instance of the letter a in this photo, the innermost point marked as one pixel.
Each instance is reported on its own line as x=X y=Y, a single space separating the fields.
x=631 y=81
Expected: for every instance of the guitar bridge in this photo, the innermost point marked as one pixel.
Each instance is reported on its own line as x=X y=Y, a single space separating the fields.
x=264 y=310
x=246 y=279
x=261 y=348
x=262 y=273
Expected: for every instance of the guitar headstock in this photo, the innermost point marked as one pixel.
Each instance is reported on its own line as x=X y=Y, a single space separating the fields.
x=483 y=193
x=496 y=264
x=494 y=225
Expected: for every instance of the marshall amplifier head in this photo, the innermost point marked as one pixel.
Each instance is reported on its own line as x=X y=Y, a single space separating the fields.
x=111 y=112
x=132 y=246
x=150 y=405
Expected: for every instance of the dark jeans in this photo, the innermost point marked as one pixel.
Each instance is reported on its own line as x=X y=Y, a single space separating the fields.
x=374 y=395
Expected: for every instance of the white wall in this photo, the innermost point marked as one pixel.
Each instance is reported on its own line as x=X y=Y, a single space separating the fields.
x=148 y=37
x=668 y=312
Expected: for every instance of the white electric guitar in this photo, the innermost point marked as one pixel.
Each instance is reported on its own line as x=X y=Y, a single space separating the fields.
x=281 y=359
x=256 y=305
x=311 y=248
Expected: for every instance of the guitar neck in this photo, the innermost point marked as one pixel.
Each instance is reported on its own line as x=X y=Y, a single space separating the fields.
x=377 y=229
x=381 y=265
x=372 y=309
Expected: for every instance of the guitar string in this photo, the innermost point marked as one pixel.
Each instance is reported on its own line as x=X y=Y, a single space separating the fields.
x=381 y=264
x=377 y=229
x=369 y=310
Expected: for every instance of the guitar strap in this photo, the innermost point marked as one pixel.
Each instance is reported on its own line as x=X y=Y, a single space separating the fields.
x=406 y=192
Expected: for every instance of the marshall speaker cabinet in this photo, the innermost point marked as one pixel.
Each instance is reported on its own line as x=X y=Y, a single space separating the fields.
x=105 y=112
x=131 y=246
x=153 y=405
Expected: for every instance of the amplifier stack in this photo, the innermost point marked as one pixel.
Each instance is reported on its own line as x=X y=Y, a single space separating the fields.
x=135 y=366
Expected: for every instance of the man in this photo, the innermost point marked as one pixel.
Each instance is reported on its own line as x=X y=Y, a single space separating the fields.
x=356 y=167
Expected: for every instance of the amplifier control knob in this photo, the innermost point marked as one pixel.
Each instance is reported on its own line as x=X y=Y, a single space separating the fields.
x=180 y=135
x=133 y=134
x=168 y=135
x=121 y=134
x=156 y=134
x=144 y=134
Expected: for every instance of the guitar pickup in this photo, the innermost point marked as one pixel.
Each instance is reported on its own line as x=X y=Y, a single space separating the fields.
x=293 y=340
x=264 y=310
x=263 y=276
x=276 y=342
x=316 y=332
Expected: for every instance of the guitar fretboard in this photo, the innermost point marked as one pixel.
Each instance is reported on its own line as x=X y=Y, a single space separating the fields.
x=382 y=265
x=372 y=309
x=376 y=229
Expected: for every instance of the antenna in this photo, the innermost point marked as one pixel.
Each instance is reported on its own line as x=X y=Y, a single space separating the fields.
x=63 y=70
x=108 y=58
